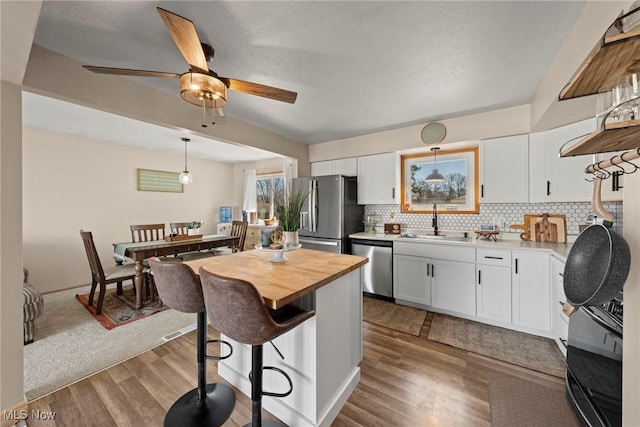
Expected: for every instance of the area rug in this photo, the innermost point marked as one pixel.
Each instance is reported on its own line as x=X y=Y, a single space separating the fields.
x=119 y=310
x=529 y=351
x=393 y=316
x=516 y=402
x=70 y=345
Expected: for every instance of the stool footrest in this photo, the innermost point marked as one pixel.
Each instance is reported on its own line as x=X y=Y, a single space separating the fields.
x=280 y=371
x=220 y=357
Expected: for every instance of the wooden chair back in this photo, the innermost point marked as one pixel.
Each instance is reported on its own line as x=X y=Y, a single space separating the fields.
x=147 y=232
x=92 y=254
x=178 y=227
x=239 y=229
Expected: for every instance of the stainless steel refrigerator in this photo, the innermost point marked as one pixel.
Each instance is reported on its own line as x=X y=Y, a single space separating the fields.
x=331 y=212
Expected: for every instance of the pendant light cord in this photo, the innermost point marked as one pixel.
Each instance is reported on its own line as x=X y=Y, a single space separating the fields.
x=185 y=153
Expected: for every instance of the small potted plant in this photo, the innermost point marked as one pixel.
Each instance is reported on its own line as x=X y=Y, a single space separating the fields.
x=193 y=227
x=289 y=211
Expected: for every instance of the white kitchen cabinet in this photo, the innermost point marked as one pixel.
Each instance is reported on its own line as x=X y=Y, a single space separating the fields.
x=504 y=170
x=346 y=167
x=531 y=296
x=559 y=320
x=453 y=286
x=554 y=178
x=493 y=290
x=377 y=179
x=411 y=279
x=435 y=275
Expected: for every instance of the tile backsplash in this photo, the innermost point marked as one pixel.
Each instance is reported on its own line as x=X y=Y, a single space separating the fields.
x=504 y=214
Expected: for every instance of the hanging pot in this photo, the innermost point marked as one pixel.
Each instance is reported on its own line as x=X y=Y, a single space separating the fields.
x=598 y=263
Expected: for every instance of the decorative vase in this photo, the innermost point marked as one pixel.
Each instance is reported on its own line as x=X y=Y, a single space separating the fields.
x=292 y=237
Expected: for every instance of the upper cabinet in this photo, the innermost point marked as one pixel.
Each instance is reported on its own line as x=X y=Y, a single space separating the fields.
x=504 y=170
x=346 y=167
x=377 y=179
x=613 y=58
x=556 y=179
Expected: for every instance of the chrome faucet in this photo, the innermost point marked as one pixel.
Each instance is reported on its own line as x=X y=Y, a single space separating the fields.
x=434 y=219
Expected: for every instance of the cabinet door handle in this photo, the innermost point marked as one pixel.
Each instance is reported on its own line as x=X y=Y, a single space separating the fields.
x=479 y=277
x=561 y=274
x=428 y=265
x=493 y=257
x=516 y=265
x=564 y=342
x=433 y=270
x=482 y=190
x=393 y=193
x=548 y=188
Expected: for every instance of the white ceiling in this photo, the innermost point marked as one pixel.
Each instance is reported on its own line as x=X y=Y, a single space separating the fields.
x=357 y=66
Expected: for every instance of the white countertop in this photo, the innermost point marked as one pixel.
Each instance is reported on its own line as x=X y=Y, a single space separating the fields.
x=508 y=241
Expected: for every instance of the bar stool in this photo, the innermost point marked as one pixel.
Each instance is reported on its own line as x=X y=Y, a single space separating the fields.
x=209 y=404
x=237 y=310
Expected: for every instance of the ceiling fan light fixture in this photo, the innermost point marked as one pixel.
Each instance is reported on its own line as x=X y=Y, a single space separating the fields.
x=198 y=87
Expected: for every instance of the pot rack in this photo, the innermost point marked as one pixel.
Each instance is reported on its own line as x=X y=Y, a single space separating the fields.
x=619 y=161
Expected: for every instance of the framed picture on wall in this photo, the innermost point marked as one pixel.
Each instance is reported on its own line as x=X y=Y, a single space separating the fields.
x=154 y=180
x=457 y=193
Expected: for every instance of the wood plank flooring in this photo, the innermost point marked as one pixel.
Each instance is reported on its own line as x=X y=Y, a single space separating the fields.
x=406 y=381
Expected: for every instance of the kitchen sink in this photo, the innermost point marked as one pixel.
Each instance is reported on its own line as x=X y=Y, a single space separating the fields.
x=436 y=237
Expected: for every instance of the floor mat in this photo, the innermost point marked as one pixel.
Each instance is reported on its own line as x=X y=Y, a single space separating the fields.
x=393 y=316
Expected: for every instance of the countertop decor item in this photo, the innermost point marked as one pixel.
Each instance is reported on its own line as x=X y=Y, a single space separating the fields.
x=392 y=228
x=290 y=210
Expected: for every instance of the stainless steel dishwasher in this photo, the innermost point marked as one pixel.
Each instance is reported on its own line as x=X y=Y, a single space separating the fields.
x=377 y=274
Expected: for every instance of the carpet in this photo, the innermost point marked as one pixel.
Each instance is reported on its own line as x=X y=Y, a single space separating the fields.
x=529 y=351
x=119 y=310
x=70 y=345
x=393 y=316
x=516 y=402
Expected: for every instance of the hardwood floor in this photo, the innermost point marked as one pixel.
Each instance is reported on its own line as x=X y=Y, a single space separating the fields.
x=406 y=381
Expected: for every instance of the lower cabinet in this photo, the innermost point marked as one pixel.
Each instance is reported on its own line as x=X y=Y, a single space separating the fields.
x=412 y=280
x=531 y=293
x=493 y=300
x=452 y=286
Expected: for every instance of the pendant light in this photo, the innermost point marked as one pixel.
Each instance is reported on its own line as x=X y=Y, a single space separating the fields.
x=185 y=177
x=435 y=176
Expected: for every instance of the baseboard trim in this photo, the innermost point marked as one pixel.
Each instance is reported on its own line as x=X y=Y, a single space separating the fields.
x=15 y=413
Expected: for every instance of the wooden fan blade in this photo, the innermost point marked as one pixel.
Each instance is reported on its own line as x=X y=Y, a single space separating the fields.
x=183 y=33
x=128 y=72
x=262 y=90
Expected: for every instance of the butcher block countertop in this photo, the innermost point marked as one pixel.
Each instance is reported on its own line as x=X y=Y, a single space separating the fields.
x=281 y=283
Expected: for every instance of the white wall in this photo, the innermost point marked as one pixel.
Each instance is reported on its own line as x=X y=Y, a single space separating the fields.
x=72 y=182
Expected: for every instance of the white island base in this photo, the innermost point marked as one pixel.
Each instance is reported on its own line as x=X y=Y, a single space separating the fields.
x=321 y=356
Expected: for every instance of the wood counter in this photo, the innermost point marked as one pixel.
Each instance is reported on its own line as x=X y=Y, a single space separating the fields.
x=280 y=283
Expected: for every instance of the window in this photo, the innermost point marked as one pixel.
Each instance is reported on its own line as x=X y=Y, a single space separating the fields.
x=269 y=190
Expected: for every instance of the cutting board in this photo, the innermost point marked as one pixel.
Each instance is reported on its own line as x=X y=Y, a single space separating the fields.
x=543 y=228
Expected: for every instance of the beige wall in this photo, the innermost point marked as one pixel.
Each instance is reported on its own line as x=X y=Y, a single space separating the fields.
x=17 y=26
x=508 y=121
x=72 y=182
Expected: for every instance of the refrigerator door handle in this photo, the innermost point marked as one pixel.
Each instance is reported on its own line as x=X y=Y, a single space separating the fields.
x=315 y=242
x=314 y=206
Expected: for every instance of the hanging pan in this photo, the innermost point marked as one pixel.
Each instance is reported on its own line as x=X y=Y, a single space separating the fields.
x=598 y=263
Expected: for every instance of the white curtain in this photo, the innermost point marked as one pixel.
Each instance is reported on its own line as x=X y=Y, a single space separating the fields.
x=288 y=174
x=249 y=197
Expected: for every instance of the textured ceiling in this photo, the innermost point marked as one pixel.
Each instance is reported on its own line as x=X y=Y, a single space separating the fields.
x=358 y=66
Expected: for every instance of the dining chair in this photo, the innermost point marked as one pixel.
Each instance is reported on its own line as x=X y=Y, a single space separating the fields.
x=239 y=229
x=101 y=276
x=147 y=232
x=178 y=228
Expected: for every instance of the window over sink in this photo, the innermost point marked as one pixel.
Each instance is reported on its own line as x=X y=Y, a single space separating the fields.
x=269 y=190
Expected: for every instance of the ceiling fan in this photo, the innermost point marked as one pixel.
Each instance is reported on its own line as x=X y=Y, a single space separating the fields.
x=199 y=86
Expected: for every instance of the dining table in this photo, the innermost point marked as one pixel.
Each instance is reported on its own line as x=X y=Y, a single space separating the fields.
x=139 y=251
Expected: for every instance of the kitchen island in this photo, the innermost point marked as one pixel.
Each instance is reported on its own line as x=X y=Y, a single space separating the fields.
x=322 y=354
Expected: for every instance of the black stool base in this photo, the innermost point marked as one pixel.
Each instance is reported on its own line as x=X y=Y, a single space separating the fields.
x=267 y=423
x=214 y=410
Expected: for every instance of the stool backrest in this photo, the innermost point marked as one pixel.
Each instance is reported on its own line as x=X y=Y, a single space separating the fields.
x=178 y=285
x=236 y=309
